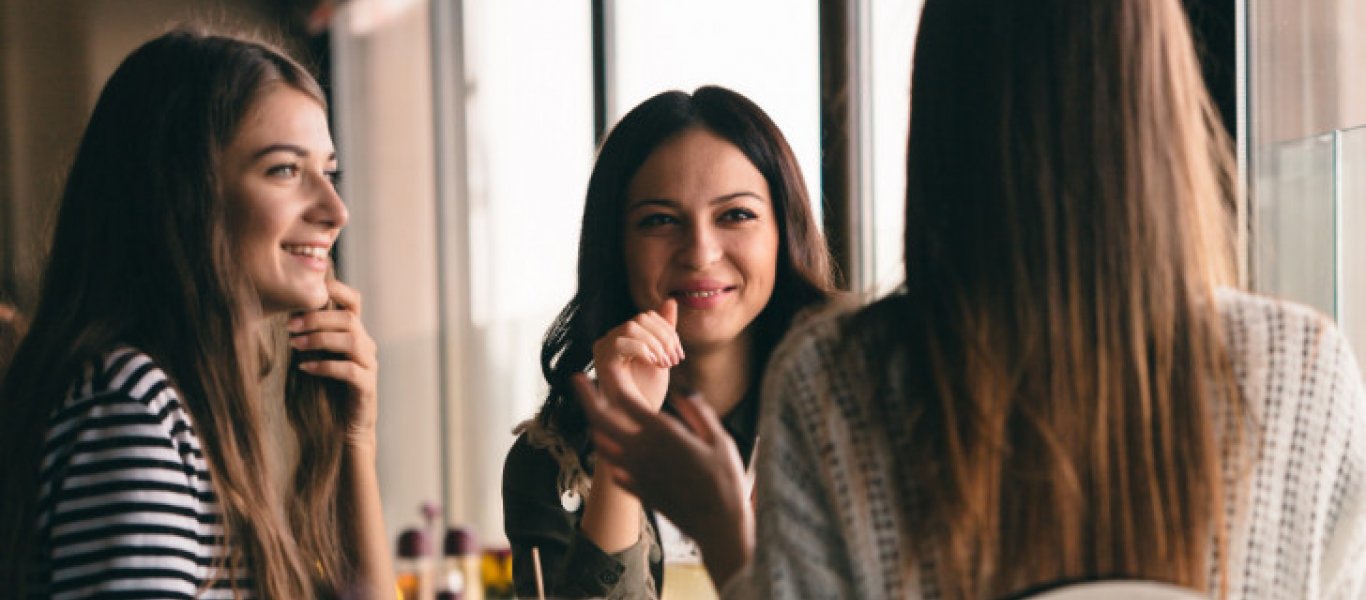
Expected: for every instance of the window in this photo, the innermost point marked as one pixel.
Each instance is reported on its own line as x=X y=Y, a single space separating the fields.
x=467 y=133
x=764 y=49
x=1306 y=154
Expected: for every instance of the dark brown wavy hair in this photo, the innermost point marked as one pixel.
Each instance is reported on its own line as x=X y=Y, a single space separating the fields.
x=143 y=256
x=1056 y=355
x=603 y=300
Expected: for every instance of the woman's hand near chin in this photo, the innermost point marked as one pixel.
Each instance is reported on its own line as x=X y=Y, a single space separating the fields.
x=340 y=348
x=633 y=359
x=343 y=350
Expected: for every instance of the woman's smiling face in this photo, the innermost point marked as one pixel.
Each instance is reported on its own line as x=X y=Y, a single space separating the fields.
x=700 y=228
x=279 y=179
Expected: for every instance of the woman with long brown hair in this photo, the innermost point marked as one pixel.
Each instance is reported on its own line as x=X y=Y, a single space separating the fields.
x=1065 y=388
x=190 y=254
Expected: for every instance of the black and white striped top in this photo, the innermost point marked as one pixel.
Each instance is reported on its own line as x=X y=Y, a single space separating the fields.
x=126 y=505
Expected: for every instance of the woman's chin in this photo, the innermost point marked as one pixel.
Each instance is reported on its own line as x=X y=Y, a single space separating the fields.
x=708 y=340
x=292 y=303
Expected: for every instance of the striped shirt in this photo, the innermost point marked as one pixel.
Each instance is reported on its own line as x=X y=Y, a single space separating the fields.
x=126 y=505
x=828 y=511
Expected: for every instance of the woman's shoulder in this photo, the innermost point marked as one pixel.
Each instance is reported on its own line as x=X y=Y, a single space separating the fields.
x=1265 y=333
x=121 y=394
x=816 y=332
x=525 y=462
x=1295 y=369
x=539 y=457
x=1304 y=389
x=123 y=470
x=817 y=368
x=122 y=375
x=1249 y=309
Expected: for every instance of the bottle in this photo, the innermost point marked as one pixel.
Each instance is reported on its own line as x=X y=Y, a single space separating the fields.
x=414 y=566
x=461 y=550
x=497 y=570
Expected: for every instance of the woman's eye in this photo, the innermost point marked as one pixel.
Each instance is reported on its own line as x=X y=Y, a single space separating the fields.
x=656 y=220
x=738 y=214
x=286 y=170
x=335 y=176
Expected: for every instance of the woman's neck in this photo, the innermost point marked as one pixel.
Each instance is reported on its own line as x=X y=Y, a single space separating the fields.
x=253 y=321
x=282 y=444
x=721 y=374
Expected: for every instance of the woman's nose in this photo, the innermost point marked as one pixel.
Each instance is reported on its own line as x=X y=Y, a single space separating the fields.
x=329 y=210
x=701 y=247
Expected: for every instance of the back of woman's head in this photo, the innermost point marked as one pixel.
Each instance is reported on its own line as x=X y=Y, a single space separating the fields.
x=1051 y=133
x=142 y=253
x=1066 y=226
x=603 y=301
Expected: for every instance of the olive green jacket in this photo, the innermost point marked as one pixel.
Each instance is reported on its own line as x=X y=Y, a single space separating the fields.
x=544 y=489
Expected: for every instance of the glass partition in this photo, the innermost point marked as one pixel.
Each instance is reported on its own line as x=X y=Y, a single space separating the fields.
x=1295 y=219
x=1351 y=239
x=1311 y=208
x=1305 y=103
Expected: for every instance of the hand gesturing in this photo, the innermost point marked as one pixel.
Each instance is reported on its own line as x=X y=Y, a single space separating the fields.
x=686 y=467
x=634 y=358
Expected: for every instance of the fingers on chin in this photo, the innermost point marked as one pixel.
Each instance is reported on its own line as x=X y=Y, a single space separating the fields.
x=344 y=294
x=341 y=370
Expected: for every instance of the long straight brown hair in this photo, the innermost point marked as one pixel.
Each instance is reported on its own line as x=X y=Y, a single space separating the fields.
x=1062 y=412
x=143 y=255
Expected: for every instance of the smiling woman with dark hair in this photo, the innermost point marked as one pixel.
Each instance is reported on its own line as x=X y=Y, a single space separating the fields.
x=698 y=248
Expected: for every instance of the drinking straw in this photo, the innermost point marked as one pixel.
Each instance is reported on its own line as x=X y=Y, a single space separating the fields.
x=536 y=563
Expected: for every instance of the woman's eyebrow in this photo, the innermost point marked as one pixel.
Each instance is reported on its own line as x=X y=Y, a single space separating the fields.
x=291 y=148
x=663 y=202
x=735 y=196
x=666 y=203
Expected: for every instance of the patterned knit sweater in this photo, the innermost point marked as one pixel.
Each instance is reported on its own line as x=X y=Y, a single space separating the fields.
x=827 y=516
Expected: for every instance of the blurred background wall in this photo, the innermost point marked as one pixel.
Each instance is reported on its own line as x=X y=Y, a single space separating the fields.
x=54 y=58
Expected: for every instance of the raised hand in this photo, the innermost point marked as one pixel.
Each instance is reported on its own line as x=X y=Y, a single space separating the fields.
x=688 y=469
x=634 y=358
x=340 y=348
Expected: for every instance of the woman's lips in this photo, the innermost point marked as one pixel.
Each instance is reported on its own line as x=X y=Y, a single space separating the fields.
x=314 y=257
x=698 y=299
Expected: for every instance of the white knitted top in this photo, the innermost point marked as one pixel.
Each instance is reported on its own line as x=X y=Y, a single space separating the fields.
x=827 y=519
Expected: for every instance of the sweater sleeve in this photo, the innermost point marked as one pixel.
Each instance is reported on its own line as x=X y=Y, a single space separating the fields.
x=572 y=565
x=126 y=511
x=1343 y=572
x=800 y=551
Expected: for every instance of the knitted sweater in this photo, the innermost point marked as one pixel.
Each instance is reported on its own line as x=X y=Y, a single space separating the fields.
x=828 y=519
